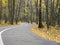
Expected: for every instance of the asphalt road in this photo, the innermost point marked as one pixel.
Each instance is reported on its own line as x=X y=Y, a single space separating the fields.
x=23 y=36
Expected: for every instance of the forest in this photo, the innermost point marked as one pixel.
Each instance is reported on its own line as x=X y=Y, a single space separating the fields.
x=37 y=11
x=44 y=13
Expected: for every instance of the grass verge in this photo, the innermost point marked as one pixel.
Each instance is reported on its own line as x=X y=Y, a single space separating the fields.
x=7 y=24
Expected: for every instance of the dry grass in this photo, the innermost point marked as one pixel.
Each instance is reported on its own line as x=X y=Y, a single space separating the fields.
x=52 y=34
x=7 y=24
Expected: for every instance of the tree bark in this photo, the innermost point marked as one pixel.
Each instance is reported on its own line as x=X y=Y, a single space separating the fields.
x=0 y=10
x=40 y=16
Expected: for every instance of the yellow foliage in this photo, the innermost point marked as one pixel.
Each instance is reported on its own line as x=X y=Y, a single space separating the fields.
x=26 y=9
x=4 y=2
x=33 y=2
x=43 y=5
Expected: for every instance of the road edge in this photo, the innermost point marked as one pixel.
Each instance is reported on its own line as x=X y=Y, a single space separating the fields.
x=1 y=41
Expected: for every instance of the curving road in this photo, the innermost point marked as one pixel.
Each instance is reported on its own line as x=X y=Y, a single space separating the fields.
x=22 y=35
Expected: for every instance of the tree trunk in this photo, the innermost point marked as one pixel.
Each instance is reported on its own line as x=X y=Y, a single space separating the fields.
x=40 y=16
x=0 y=10
x=11 y=6
x=47 y=13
